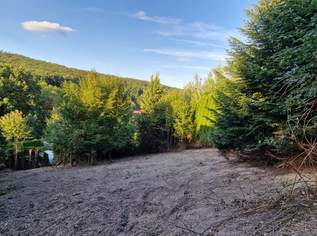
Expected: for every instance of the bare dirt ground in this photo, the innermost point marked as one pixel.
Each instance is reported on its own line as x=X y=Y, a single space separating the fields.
x=194 y=192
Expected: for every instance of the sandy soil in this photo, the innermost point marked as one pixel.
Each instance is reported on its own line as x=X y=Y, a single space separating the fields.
x=195 y=192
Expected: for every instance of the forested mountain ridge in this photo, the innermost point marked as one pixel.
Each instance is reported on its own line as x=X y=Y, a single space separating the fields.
x=55 y=73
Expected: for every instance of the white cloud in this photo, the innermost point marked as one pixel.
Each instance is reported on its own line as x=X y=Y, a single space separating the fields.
x=205 y=55
x=198 y=30
x=173 y=27
x=45 y=26
x=199 y=43
x=141 y=15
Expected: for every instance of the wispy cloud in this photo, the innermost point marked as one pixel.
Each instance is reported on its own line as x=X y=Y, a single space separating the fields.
x=141 y=15
x=205 y=55
x=196 y=43
x=197 y=30
x=199 y=43
x=174 y=27
x=45 y=26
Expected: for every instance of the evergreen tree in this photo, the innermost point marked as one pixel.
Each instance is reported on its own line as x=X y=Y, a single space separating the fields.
x=151 y=95
x=275 y=71
x=155 y=122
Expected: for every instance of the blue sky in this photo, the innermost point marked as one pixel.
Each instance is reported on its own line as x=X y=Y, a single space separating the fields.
x=133 y=38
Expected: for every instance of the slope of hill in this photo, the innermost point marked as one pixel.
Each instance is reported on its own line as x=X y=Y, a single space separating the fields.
x=52 y=71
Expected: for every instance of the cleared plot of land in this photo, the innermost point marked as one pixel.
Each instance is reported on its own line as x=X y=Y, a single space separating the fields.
x=195 y=192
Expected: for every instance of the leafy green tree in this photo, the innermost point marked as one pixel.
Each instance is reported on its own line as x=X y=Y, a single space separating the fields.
x=21 y=91
x=18 y=90
x=92 y=119
x=15 y=129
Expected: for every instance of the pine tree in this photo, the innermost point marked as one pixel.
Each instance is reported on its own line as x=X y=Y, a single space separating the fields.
x=152 y=94
x=276 y=71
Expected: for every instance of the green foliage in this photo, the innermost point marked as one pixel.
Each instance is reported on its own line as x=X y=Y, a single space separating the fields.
x=231 y=129
x=151 y=95
x=14 y=127
x=183 y=116
x=206 y=102
x=20 y=91
x=92 y=119
x=55 y=74
x=90 y=114
x=176 y=117
x=155 y=122
x=267 y=87
x=274 y=78
x=202 y=104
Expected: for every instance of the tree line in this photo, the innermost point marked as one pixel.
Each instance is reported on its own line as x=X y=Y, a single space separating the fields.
x=95 y=118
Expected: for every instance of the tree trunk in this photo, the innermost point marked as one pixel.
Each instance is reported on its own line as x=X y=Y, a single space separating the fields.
x=110 y=157
x=71 y=160
x=90 y=158
x=30 y=158
x=36 y=158
x=16 y=157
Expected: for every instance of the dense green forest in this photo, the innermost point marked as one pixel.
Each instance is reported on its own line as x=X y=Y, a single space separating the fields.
x=90 y=116
x=263 y=100
x=56 y=74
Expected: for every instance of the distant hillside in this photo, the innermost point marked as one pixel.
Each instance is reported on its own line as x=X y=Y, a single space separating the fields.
x=54 y=71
